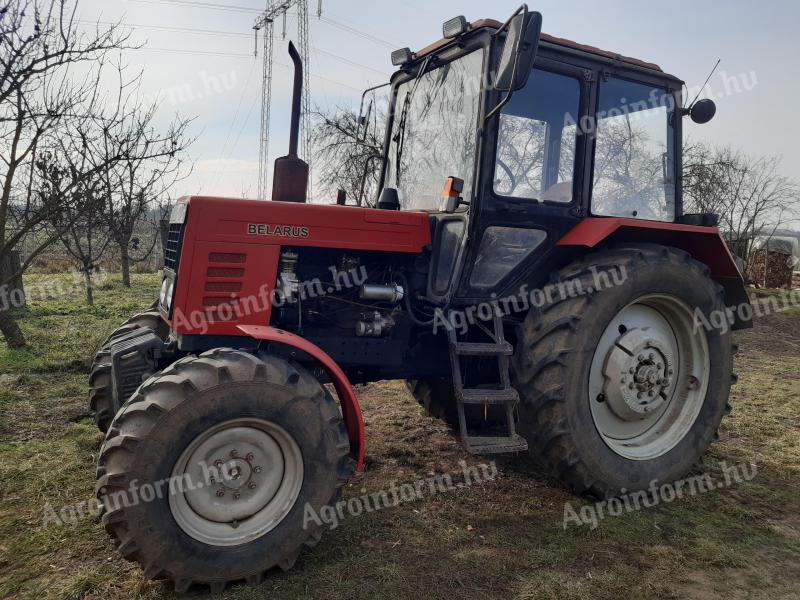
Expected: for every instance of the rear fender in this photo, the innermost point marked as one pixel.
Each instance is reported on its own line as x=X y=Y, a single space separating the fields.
x=705 y=244
x=351 y=410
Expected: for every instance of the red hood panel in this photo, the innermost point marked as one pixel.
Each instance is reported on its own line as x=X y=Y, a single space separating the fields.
x=316 y=225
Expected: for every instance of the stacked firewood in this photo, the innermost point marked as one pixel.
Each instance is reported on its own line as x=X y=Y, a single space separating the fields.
x=770 y=269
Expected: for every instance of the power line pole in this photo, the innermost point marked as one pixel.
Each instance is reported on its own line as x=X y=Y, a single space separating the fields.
x=265 y=22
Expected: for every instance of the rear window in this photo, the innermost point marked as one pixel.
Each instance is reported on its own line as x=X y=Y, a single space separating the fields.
x=634 y=160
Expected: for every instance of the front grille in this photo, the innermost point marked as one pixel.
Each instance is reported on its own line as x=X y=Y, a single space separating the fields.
x=172 y=253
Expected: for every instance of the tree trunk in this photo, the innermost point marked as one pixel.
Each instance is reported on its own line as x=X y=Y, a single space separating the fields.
x=11 y=331
x=125 y=259
x=87 y=276
x=11 y=284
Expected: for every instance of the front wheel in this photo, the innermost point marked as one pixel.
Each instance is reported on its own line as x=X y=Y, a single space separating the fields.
x=101 y=392
x=219 y=467
x=620 y=384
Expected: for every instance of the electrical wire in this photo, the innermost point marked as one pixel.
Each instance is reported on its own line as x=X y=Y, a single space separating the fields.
x=235 y=55
x=238 y=108
x=409 y=308
x=358 y=32
x=217 y=32
x=246 y=9
x=208 y=5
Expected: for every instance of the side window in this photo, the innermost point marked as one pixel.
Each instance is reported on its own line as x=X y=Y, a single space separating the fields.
x=634 y=167
x=537 y=139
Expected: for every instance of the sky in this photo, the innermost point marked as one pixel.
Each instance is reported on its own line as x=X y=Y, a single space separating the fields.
x=198 y=59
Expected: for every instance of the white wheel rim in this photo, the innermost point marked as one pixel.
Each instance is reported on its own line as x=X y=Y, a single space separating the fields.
x=236 y=481
x=649 y=377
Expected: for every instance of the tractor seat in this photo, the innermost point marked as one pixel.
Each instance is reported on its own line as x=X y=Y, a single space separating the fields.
x=560 y=192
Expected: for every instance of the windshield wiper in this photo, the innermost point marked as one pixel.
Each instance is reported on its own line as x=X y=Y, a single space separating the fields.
x=400 y=137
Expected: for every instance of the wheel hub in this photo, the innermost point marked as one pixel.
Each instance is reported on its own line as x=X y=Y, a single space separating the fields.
x=235 y=491
x=246 y=475
x=637 y=373
x=648 y=377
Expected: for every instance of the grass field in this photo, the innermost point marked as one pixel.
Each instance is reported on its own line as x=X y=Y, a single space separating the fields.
x=500 y=539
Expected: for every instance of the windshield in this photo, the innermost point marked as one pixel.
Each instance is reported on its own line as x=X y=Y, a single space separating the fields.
x=436 y=139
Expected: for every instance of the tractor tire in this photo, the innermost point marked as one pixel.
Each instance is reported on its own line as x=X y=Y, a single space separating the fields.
x=437 y=397
x=619 y=387
x=101 y=396
x=233 y=457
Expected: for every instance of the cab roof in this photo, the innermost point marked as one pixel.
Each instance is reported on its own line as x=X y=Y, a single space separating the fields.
x=494 y=24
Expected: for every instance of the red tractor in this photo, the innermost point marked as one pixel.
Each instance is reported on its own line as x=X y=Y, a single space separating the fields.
x=550 y=301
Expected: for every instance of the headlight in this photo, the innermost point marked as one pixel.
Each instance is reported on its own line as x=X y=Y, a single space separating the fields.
x=170 y=294
x=162 y=296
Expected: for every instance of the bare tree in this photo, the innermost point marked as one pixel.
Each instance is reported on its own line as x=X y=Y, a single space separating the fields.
x=80 y=222
x=749 y=194
x=40 y=90
x=703 y=176
x=117 y=162
x=345 y=150
x=145 y=173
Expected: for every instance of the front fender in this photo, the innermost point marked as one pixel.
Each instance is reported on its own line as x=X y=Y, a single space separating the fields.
x=351 y=410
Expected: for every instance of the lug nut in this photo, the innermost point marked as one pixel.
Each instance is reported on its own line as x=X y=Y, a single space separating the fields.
x=220 y=493
x=250 y=456
x=236 y=495
x=252 y=485
x=218 y=462
x=234 y=453
x=257 y=469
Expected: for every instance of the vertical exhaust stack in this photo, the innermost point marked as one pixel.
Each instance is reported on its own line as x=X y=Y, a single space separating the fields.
x=290 y=177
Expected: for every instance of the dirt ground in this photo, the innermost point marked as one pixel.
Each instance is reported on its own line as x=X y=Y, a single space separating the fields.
x=502 y=538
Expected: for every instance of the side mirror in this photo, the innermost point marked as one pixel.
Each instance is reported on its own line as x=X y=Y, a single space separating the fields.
x=519 y=51
x=703 y=111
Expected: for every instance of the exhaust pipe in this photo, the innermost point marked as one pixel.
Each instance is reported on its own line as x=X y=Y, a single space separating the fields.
x=290 y=176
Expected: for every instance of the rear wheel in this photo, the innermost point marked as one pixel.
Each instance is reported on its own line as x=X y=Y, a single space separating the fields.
x=619 y=386
x=241 y=452
x=437 y=397
x=101 y=394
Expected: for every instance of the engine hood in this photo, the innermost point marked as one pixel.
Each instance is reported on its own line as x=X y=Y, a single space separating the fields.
x=232 y=220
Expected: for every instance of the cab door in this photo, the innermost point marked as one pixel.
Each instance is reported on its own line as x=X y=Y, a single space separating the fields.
x=532 y=173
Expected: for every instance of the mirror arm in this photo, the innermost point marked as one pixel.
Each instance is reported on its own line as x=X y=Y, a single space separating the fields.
x=504 y=26
x=524 y=10
x=361 y=108
x=499 y=107
x=370 y=159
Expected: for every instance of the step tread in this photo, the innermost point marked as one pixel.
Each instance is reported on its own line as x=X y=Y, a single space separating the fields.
x=482 y=396
x=495 y=445
x=484 y=349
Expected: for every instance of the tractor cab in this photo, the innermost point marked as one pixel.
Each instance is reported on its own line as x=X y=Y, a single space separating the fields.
x=531 y=134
